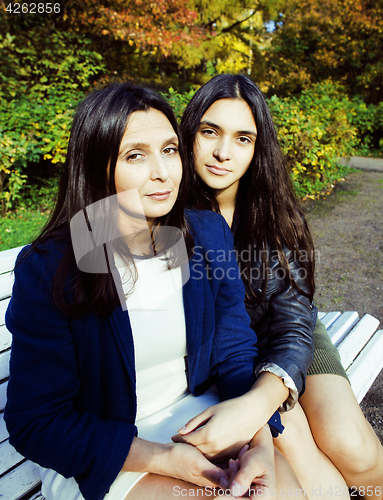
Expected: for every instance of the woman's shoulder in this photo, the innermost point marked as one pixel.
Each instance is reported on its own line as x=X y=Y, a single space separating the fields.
x=41 y=256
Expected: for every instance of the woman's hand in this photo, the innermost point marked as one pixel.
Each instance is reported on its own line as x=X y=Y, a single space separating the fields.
x=222 y=430
x=189 y=464
x=177 y=460
x=252 y=474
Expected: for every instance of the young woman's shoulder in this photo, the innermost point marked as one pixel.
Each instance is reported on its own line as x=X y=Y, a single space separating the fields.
x=209 y=228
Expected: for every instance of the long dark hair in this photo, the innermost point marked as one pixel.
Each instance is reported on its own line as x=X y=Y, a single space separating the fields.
x=266 y=211
x=87 y=177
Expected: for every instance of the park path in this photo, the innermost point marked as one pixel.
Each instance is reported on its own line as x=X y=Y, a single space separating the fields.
x=347 y=228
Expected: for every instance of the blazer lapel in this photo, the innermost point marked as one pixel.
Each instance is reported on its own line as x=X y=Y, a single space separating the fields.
x=193 y=306
x=120 y=326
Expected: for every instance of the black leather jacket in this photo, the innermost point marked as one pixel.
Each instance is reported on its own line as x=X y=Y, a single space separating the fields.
x=284 y=321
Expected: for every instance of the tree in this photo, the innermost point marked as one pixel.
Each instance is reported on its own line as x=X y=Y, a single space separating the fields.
x=315 y=40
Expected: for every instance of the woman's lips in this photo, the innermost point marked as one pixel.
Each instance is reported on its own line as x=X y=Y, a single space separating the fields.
x=217 y=170
x=159 y=196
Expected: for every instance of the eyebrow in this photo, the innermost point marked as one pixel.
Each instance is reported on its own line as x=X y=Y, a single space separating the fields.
x=138 y=145
x=241 y=132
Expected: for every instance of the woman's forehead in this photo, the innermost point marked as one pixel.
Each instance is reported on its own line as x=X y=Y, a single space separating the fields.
x=148 y=127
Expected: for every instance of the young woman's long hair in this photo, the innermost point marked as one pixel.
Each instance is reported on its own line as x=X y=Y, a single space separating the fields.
x=266 y=212
x=87 y=177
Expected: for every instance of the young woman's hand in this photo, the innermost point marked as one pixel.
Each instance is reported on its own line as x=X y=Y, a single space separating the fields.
x=252 y=474
x=222 y=430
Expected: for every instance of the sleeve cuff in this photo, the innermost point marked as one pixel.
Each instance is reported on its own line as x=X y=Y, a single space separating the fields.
x=275 y=425
x=286 y=379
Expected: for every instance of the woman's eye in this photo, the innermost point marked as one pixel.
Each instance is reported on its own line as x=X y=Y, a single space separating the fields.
x=244 y=140
x=171 y=150
x=134 y=157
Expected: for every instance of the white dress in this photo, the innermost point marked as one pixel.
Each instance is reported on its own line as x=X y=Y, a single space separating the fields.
x=163 y=403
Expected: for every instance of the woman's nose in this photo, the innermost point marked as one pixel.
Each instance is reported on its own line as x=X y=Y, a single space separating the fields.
x=160 y=170
x=222 y=153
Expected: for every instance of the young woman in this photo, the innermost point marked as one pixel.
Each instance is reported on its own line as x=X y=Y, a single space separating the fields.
x=239 y=172
x=110 y=301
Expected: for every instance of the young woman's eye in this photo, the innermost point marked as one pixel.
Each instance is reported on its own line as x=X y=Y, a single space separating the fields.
x=208 y=132
x=244 y=140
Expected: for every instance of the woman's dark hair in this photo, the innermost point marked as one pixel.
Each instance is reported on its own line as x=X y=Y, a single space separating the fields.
x=87 y=177
x=266 y=211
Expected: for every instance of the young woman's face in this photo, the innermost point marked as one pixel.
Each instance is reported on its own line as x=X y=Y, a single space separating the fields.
x=149 y=163
x=224 y=144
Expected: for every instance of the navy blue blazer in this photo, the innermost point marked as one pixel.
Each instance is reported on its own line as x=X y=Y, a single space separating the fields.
x=71 y=395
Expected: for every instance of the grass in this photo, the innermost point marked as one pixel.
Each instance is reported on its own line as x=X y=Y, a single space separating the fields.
x=21 y=227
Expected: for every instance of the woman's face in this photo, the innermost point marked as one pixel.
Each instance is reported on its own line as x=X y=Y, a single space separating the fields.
x=224 y=144
x=149 y=164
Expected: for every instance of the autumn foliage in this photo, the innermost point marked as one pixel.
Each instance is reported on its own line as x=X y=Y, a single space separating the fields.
x=316 y=40
x=146 y=24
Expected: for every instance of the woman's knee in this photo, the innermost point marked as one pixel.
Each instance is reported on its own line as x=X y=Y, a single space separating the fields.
x=352 y=446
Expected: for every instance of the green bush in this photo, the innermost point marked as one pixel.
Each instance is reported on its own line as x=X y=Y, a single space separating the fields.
x=41 y=84
x=178 y=101
x=318 y=127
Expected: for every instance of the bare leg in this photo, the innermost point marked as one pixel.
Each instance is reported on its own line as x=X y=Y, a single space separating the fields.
x=154 y=487
x=316 y=473
x=287 y=482
x=343 y=434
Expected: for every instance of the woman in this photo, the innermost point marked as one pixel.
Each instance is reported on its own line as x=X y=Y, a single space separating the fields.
x=239 y=172
x=101 y=320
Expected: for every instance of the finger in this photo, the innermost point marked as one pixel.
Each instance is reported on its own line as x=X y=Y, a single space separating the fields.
x=196 y=422
x=195 y=438
x=242 y=451
x=249 y=472
x=216 y=475
x=233 y=469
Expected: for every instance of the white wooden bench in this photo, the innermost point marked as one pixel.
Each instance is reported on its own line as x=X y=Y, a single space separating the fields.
x=359 y=343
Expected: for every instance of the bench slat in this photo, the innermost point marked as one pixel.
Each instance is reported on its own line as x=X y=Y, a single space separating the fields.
x=6 y=284
x=3 y=307
x=5 y=338
x=4 y=364
x=340 y=328
x=9 y=457
x=367 y=366
x=357 y=339
x=8 y=259
x=20 y=481
x=3 y=395
x=329 y=318
x=3 y=429
x=37 y=496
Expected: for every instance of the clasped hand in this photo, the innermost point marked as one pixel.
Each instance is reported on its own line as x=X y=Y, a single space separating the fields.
x=221 y=430
x=252 y=471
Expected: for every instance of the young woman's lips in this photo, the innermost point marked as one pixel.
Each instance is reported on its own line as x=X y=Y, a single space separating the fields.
x=160 y=196
x=217 y=170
